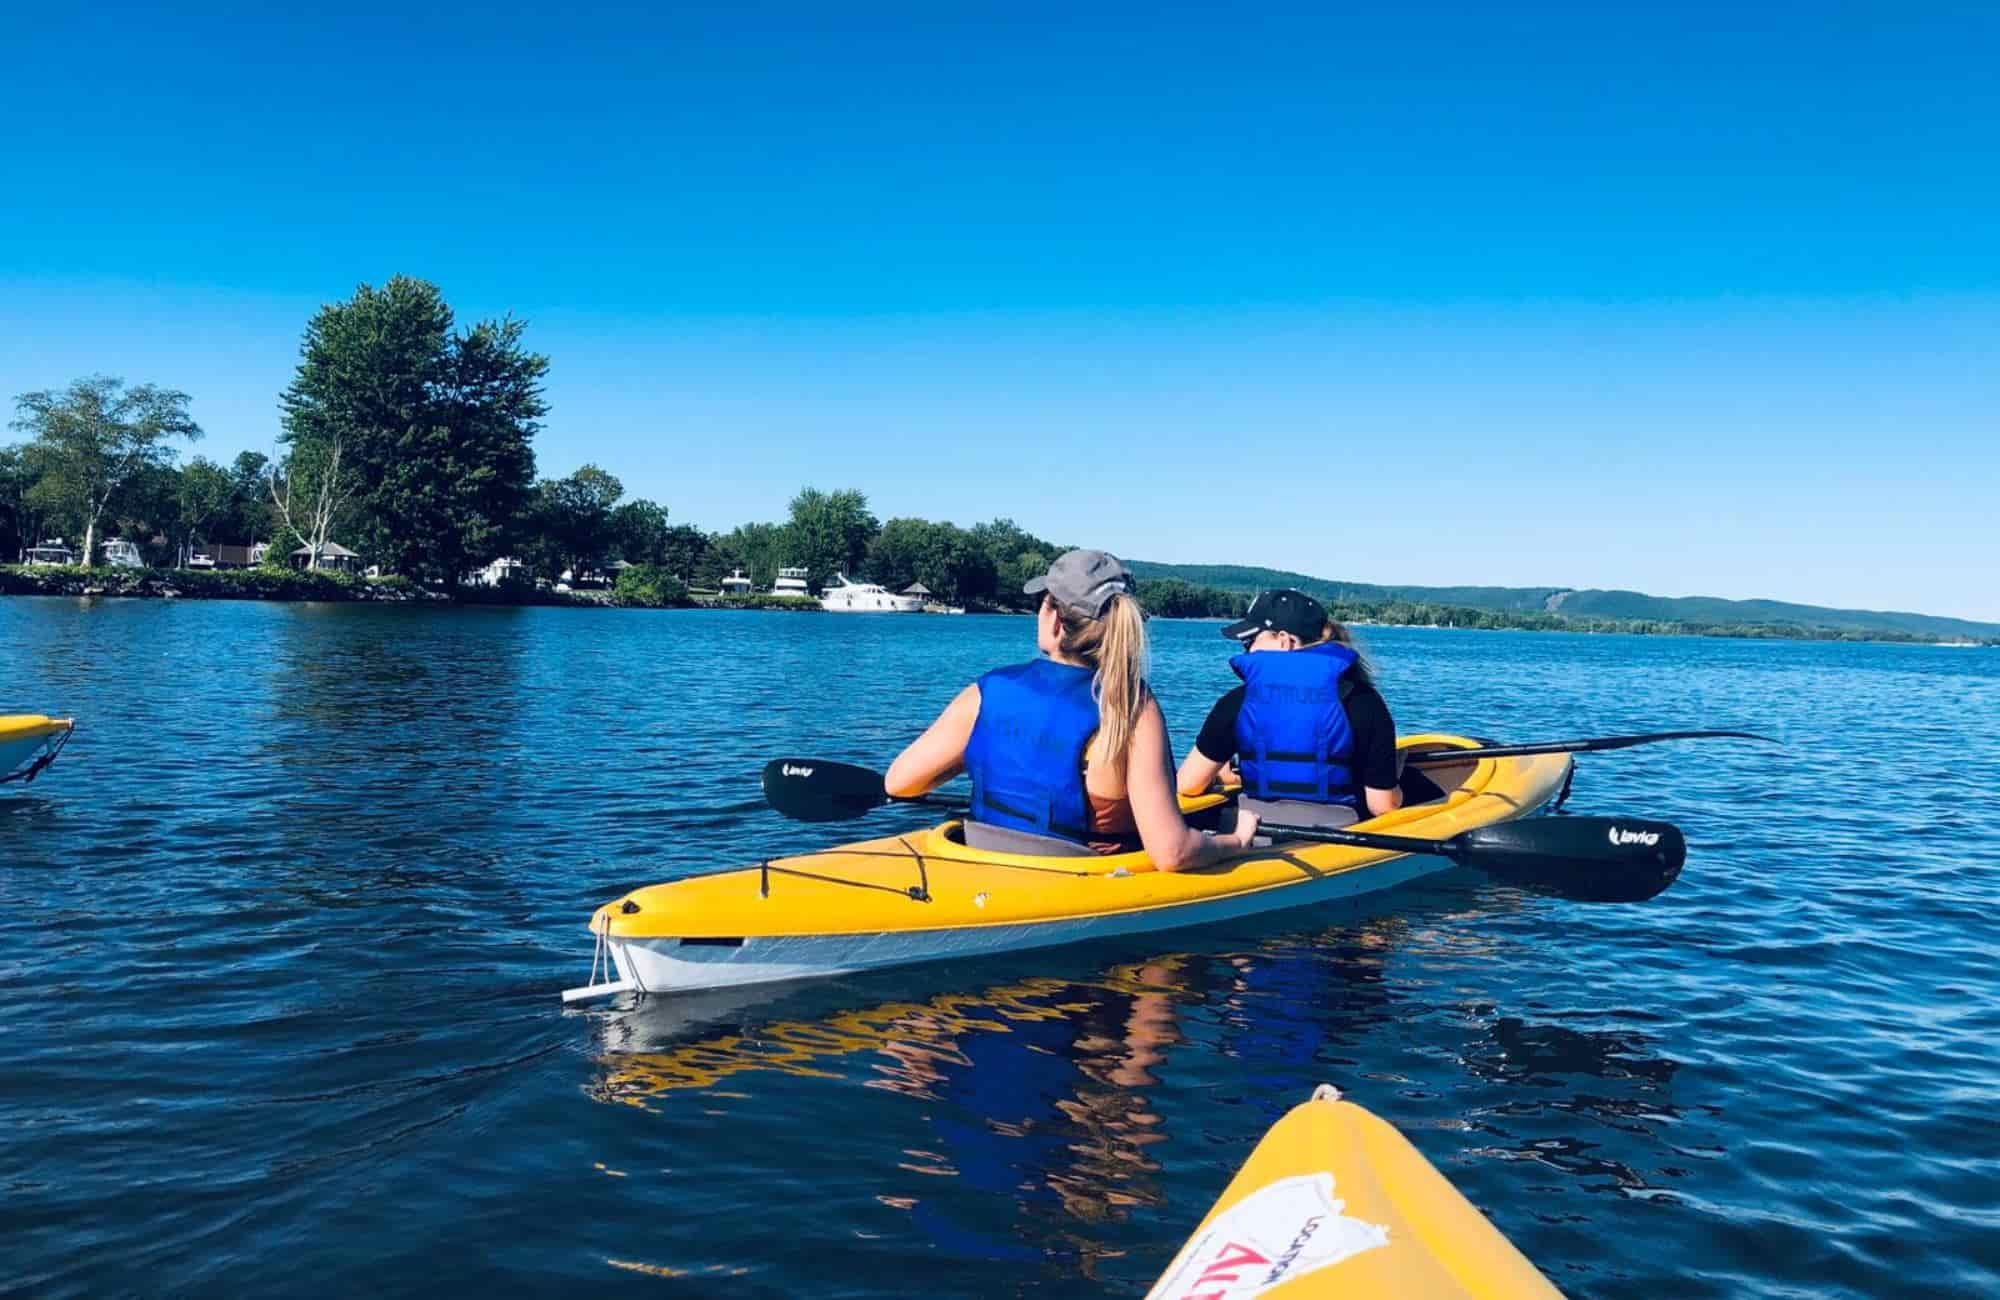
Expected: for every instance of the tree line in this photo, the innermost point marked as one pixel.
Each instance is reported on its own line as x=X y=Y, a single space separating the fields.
x=408 y=438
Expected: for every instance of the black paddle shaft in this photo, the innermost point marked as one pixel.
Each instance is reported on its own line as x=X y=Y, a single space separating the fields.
x=1589 y=745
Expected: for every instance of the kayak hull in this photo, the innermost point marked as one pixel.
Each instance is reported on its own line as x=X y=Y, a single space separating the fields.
x=1335 y=1203
x=25 y=738
x=926 y=896
x=674 y=965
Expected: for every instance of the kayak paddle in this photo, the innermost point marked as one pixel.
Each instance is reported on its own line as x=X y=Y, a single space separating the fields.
x=1585 y=859
x=1592 y=745
x=814 y=790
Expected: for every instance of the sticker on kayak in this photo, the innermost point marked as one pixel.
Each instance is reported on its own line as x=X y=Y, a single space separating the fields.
x=1279 y=1232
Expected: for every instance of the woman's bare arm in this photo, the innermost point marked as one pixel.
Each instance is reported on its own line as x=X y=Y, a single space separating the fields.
x=939 y=754
x=1381 y=801
x=1198 y=772
x=1156 y=808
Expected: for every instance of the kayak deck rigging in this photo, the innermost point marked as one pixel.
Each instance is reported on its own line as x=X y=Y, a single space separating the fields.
x=830 y=911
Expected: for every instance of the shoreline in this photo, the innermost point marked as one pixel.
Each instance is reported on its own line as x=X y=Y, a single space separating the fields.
x=292 y=587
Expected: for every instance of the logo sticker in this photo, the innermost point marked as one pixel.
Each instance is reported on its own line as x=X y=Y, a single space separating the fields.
x=789 y=770
x=1619 y=835
x=1281 y=1231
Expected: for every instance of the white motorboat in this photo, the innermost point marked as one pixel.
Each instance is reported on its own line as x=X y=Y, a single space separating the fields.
x=121 y=554
x=845 y=597
x=736 y=584
x=791 y=582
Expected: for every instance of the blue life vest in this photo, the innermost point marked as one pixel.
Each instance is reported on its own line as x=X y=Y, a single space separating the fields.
x=1293 y=739
x=1026 y=753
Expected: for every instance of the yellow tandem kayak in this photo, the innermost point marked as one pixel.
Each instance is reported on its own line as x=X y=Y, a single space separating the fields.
x=29 y=742
x=927 y=896
x=1334 y=1202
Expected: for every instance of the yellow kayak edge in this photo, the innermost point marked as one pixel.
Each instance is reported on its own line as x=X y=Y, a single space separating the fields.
x=1334 y=1202
x=929 y=880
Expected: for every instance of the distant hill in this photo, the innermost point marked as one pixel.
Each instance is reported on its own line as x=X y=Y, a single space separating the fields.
x=1587 y=603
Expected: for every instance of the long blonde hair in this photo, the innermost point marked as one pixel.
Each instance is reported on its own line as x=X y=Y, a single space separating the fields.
x=1115 y=646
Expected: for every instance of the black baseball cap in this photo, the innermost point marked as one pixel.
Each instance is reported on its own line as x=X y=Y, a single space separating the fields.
x=1283 y=610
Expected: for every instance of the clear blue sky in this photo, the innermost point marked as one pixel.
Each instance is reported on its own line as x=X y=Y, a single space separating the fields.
x=1691 y=299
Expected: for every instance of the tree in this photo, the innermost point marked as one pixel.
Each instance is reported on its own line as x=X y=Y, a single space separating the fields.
x=20 y=518
x=757 y=549
x=828 y=533
x=944 y=557
x=434 y=424
x=247 y=518
x=572 y=520
x=203 y=490
x=639 y=532
x=309 y=489
x=95 y=437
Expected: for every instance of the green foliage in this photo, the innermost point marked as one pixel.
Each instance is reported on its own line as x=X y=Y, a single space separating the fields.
x=202 y=491
x=757 y=549
x=212 y=584
x=92 y=442
x=649 y=586
x=639 y=532
x=828 y=533
x=1172 y=598
x=435 y=424
x=571 y=523
x=943 y=557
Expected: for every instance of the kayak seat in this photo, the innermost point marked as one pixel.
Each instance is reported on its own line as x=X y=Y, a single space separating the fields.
x=1297 y=812
x=1005 y=839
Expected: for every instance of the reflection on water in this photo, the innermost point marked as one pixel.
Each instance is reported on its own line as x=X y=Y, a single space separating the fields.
x=1045 y=1083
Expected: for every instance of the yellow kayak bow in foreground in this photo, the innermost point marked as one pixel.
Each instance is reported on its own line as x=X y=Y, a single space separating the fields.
x=1336 y=1203
x=29 y=742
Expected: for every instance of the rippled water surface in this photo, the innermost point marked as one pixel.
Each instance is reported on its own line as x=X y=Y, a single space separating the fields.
x=282 y=933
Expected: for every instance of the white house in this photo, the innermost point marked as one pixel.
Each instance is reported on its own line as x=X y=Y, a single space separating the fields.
x=503 y=570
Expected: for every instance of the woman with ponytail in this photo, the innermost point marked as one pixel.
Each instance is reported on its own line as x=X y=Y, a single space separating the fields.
x=1068 y=753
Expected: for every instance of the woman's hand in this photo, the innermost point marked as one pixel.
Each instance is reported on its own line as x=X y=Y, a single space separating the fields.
x=1245 y=832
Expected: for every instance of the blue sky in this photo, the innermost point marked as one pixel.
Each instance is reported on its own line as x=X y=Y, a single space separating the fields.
x=1690 y=299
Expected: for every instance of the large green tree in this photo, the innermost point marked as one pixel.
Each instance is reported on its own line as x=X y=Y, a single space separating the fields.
x=20 y=518
x=203 y=491
x=433 y=422
x=95 y=439
x=639 y=531
x=572 y=521
x=942 y=556
x=828 y=533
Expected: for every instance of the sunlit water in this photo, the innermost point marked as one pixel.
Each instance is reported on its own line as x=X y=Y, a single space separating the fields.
x=281 y=937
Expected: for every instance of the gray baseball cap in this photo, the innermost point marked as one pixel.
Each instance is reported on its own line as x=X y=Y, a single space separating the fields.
x=1083 y=582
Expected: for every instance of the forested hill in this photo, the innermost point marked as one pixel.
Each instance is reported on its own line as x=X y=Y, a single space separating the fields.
x=1582 y=604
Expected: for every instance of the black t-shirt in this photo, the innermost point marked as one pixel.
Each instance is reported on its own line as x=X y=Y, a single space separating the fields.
x=1374 y=760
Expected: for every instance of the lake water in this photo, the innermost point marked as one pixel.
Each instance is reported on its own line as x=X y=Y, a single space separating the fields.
x=281 y=938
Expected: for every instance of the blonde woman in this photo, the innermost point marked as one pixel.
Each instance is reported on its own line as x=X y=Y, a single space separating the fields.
x=1068 y=753
x=1308 y=731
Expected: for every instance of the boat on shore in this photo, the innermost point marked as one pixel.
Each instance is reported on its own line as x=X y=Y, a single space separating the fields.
x=791 y=582
x=29 y=742
x=845 y=596
x=928 y=896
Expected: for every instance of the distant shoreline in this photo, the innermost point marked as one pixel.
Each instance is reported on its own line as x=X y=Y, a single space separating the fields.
x=290 y=587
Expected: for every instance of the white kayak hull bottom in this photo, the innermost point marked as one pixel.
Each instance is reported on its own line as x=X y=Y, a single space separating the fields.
x=16 y=755
x=666 y=965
